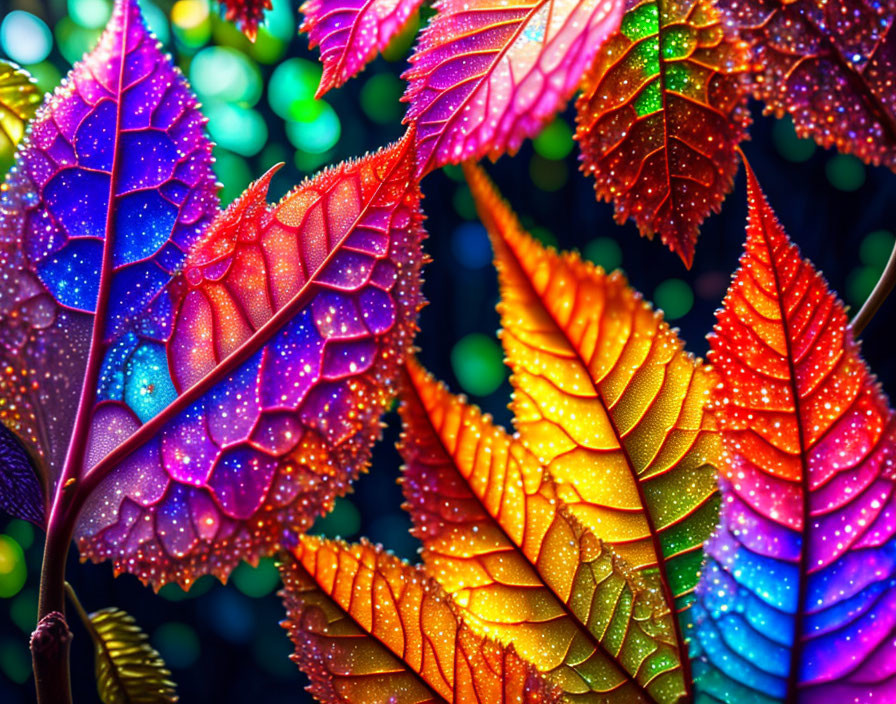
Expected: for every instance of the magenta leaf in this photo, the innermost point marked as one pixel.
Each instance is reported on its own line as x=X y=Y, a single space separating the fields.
x=21 y=490
x=351 y=32
x=486 y=74
x=203 y=381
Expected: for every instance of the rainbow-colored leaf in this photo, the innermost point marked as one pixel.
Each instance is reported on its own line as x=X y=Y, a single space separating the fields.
x=110 y=189
x=609 y=401
x=798 y=598
x=288 y=328
x=247 y=15
x=19 y=100
x=523 y=569
x=486 y=74
x=661 y=113
x=370 y=628
x=351 y=32
x=830 y=65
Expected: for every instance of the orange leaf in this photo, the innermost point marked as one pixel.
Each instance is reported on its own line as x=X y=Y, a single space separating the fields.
x=609 y=401
x=522 y=567
x=660 y=116
x=370 y=628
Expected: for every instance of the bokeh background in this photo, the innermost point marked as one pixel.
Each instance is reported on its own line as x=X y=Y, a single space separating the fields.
x=223 y=643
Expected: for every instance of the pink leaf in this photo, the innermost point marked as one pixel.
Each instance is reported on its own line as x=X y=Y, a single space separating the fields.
x=486 y=74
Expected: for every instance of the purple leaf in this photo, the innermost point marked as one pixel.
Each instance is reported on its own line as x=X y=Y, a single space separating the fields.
x=21 y=492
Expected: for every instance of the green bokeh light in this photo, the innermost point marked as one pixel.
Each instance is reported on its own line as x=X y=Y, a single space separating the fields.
x=23 y=610
x=604 y=251
x=343 y=521
x=307 y=162
x=674 y=297
x=401 y=43
x=156 y=20
x=74 y=41
x=13 y=571
x=860 y=283
x=543 y=235
x=15 y=661
x=22 y=532
x=177 y=643
x=256 y=581
x=380 y=98
x=555 y=140
x=876 y=248
x=90 y=14
x=788 y=144
x=46 y=75
x=238 y=129
x=25 y=38
x=317 y=130
x=293 y=83
x=478 y=364
x=191 y=23
x=233 y=172
x=549 y=175
x=845 y=172
x=224 y=74
x=463 y=202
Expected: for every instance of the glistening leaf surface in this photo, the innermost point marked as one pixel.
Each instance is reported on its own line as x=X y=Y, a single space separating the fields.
x=661 y=113
x=608 y=400
x=830 y=65
x=290 y=322
x=370 y=628
x=19 y=100
x=522 y=568
x=486 y=74
x=798 y=598
x=351 y=32
x=109 y=190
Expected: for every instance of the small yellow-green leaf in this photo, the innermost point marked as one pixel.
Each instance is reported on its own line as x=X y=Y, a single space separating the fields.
x=128 y=669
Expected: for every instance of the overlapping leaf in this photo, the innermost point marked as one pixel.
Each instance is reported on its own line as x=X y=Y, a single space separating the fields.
x=498 y=540
x=19 y=100
x=351 y=32
x=830 y=65
x=608 y=400
x=661 y=113
x=487 y=74
x=798 y=599
x=119 y=150
x=370 y=628
x=22 y=493
x=246 y=14
x=223 y=397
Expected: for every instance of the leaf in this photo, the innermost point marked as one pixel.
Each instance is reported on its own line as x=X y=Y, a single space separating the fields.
x=247 y=15
x=351 y=32
x=798 y=598
x=194 y=405
x=19 y=100
x=21 y=487
x=370 y=628
x=660 y=116
x=290 y=322
x=830 y=66
x=117 y=156
x=487 y=74
x=609 y=401
x=128 y=669
x=523 y=569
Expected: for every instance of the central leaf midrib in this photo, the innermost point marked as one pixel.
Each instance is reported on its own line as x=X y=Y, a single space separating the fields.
x=582 y=627
x=654 y=535
x=243 y=352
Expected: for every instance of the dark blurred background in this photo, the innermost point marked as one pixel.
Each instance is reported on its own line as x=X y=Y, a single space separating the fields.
x=223 y=643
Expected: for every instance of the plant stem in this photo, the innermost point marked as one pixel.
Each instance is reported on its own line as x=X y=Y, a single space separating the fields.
x=51 y=640
x=881 y=290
